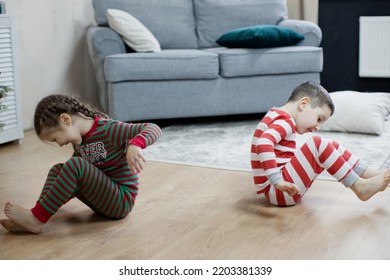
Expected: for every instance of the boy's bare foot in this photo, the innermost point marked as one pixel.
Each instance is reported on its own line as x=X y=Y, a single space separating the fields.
x=23 y=217
x=369 y=173
x=366 y=188
x=12 y=226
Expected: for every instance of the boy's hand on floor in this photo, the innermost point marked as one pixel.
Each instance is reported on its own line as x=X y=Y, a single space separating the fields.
x=287 y=187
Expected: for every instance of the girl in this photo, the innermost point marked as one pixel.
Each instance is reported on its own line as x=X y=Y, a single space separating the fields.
x=103 y=171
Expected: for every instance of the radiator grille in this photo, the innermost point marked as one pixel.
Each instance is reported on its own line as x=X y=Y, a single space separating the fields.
x=10 y=118
x=374 y=47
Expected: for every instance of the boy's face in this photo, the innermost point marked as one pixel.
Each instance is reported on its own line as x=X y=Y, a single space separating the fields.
x=310 y=119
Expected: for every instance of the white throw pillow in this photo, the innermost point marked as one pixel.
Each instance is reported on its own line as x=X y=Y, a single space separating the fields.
x=359 y=112
x=133 y=32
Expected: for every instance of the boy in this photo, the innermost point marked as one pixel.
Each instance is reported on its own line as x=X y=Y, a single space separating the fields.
x=283 y=173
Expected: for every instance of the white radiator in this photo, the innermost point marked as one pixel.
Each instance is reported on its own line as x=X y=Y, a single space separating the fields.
x=374 y=47
x=11 y=118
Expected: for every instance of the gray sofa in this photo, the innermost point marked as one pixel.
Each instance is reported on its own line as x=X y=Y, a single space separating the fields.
x=193 y=76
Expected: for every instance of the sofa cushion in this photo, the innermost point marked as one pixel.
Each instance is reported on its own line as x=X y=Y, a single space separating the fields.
x=165 y=65
x=234 y=14
x=132 y=31
x=268 y=61
x=172 y=22
x=260 y=36
x=358 y=112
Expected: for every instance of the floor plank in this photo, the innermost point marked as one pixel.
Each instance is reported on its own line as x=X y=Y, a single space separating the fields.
x=189 y=212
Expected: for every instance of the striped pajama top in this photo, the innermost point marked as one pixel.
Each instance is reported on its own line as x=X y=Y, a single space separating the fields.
x=273 y=145
x=106 y=143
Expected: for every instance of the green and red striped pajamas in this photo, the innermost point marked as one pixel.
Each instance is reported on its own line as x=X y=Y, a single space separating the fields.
x=98 y=173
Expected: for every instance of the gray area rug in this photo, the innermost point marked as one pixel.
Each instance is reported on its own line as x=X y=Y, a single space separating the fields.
x=226 y=145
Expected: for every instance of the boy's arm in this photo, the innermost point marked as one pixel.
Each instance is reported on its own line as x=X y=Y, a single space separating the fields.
x=276 y=132
x=265 y=148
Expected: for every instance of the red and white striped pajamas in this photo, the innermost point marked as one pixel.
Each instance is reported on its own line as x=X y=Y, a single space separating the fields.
x=275 y=158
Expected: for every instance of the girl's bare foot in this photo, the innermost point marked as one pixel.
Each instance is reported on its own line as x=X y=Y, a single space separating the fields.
x=12 y=226
x=366 y=188
x=23 y=217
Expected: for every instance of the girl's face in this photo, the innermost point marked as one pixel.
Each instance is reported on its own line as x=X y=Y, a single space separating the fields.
x=310 y=119
x=66 y=132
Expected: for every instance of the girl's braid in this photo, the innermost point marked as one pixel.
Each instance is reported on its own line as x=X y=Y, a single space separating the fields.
x=77 y=106
x=50 y=108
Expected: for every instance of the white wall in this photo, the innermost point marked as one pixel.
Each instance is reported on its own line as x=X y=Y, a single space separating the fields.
x=52 y=51
x=303 y=9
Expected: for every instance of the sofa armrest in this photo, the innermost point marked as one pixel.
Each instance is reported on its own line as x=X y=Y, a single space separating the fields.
x=103 y=41
x=311 y=31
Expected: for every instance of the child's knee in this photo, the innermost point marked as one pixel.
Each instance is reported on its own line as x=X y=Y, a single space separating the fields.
x=318 y=140
x=280 y=198
x=56 y=168
x=76 y=163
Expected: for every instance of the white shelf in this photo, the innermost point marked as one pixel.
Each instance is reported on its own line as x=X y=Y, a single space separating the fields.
x=11 y=117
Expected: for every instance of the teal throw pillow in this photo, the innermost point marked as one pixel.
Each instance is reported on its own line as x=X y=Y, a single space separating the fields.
x=260 y=36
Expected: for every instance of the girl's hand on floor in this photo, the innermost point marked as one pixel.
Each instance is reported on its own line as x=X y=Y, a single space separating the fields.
x=135 y=158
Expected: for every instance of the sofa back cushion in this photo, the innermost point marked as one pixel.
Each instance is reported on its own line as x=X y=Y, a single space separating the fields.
x=216 y=17
x=172 y=22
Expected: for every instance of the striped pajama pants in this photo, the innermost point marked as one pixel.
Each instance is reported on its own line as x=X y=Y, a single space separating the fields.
x=79 y=178
x=309 y=161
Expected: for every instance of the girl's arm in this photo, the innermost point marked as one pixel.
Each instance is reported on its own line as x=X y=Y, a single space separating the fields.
x=138 y=136
x=146 y=134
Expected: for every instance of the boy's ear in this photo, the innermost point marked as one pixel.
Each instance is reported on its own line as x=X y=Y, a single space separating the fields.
x=304 y=102
x=65 y=119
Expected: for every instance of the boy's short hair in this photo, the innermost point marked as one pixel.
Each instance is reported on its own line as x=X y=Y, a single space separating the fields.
x=318 y=95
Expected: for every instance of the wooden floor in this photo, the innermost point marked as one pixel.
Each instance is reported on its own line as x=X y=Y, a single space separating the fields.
x=188 y=212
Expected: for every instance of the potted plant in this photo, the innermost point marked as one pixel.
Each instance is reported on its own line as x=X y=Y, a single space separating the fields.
x=3 y=93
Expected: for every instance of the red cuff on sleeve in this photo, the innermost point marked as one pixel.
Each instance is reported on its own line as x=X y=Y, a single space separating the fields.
x=41 y=213
x=138 y=141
